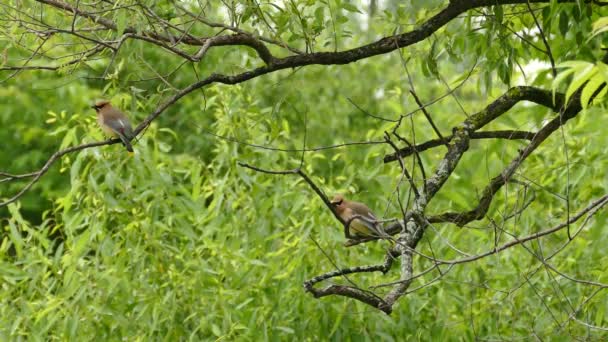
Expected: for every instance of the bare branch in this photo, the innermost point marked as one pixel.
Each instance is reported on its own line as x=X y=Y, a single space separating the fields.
x=428 y=117
x=507 y=134
x=544 y=38
x=599 y=203
x=38 y=174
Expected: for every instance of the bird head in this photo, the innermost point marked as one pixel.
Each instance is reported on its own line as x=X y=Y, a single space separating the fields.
x=100 y=104
x=337 y=202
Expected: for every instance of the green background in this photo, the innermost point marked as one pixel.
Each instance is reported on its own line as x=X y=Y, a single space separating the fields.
x=177 y=242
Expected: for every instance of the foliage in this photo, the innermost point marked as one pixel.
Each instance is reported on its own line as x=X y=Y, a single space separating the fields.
x=178 y=242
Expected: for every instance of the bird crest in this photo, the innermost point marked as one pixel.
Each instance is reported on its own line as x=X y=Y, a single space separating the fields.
x=100 y=104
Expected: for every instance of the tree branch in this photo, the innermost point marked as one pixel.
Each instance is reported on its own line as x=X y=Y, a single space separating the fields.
x=506 y=134
x=595 y=205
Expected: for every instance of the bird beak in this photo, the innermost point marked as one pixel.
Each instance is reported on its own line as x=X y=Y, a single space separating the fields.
x=94 y=107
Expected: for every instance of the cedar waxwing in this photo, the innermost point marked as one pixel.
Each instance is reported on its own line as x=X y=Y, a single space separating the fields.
x=114 y=122
x=358 y=227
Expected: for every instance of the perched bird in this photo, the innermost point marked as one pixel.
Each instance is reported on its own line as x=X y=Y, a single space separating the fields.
x=359 y=227
x=114 y=122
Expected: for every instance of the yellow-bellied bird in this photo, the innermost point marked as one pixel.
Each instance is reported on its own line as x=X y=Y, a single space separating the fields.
x=359 y=227
x=114 y=122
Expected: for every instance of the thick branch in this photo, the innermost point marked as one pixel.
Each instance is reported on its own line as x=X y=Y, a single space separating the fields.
x=352 y=292
x=381 y=46
x=495 y=109
x=566 y=113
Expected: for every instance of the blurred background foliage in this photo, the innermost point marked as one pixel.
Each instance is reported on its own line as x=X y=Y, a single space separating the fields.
x=179 y=243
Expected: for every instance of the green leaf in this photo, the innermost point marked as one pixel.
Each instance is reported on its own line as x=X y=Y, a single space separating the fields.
x=16 y=238
x=571 y=67
x=341 y=19
x=215 y=329
x=582 y=75
x=249 y=10
x=590 y=88
x=350 y=7
x=121 y=22
x=599 y=26
x=504 y=72
x=563 y=23
x=498 y=13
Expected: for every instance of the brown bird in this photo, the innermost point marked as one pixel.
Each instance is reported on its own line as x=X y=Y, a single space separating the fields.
x=359 y=227
x=114 y=122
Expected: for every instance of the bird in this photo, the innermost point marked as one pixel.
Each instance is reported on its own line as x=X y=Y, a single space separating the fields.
x=114 y=122
x=359 y=227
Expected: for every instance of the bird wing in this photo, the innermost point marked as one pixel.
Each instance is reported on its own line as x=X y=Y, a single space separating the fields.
x=366 y=224
x=119 y=123
x=363 y=210
x=362 y=225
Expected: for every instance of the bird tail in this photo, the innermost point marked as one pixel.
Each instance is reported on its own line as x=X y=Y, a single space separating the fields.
x=126 y=142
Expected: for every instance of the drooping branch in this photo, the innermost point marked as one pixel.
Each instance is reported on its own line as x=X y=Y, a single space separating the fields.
x=39 y=173
x=87 y=54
